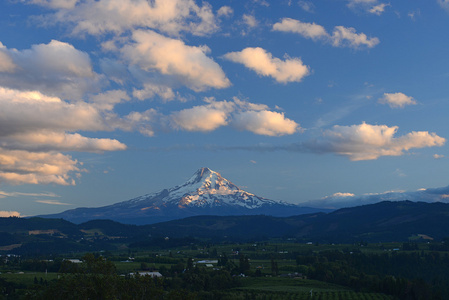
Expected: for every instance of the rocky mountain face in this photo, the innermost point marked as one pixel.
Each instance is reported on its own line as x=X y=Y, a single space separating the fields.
x=205 y=193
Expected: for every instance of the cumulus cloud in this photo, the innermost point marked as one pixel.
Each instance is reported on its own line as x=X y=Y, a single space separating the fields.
x=6 y=214
x=199 y=118
x=117 y=16
x=438 y=156
x=56 y=68
x=367 y=142
x=307 y=30
x=264 y=64
x=28 y=111
x=6 y=63
x=265 y=123
x=108 y=99
x=172 y=57
x=239 y=114
x=18 y=167
x=396 y=100
x=347 y=37
x=150 y=90
x=340 y=37
x=36 y=128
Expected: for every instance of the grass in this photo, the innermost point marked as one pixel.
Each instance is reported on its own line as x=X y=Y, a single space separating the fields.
x=27 y=278
x=291 y=285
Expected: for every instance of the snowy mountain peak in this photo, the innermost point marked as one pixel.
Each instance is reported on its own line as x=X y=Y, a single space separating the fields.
x=206 y=188
x=205 y=180
x=205 y=193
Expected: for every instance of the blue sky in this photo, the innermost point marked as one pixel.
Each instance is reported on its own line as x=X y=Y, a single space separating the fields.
x=301 y=101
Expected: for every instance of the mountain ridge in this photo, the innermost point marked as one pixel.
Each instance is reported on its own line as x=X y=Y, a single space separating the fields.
x=206 y=192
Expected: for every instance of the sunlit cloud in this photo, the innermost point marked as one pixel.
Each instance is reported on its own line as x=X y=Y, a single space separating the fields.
x=340 y=37
x=357 y=142
x=52 y=202
x=117 y=16
x=6 y=214
x=397 y=100
x=264 y=64
x=189 y=65
x=241 y=115
x=367 y=142
x=199 y=118
x=265 y=123
x=4 y=194
x=56 y=69
x=31 y=142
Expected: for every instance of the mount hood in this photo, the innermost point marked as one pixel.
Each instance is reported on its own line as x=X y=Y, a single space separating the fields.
x=205 y=193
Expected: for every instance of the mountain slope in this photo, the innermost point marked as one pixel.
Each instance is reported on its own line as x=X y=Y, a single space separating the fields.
x=205 y=193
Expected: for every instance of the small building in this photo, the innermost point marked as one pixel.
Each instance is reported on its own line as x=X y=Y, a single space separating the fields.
x=74 y=260
x=147 y=273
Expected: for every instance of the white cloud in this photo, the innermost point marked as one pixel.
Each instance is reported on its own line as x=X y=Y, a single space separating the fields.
x=6 y=214
x=171 y=57
x=35 y=128
x=264 y=64
x=370 y=6
x=444 y=4
x=265 y=123
x=397 y=100
x=307 y=30
x=250 y=21
x=150 y=90
x=56 y=69
x=241 y=115
x=199 y=118
x=30 y=111
x=225 y=11
x=438 y=156
x=378 y=9
x=341 y=36
x=307 y=6
x=367 y=142
x=18 y=167
x=147 y=122
x=117 y=16
x=108 y=99
x=6 y=63
x=348 y=37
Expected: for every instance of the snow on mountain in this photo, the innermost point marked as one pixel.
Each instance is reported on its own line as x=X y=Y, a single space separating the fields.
x=206 y=188
x=205 y=193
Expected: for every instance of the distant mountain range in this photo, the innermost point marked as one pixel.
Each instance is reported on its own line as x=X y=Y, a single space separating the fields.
x=386 y=221
x=205 y=193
